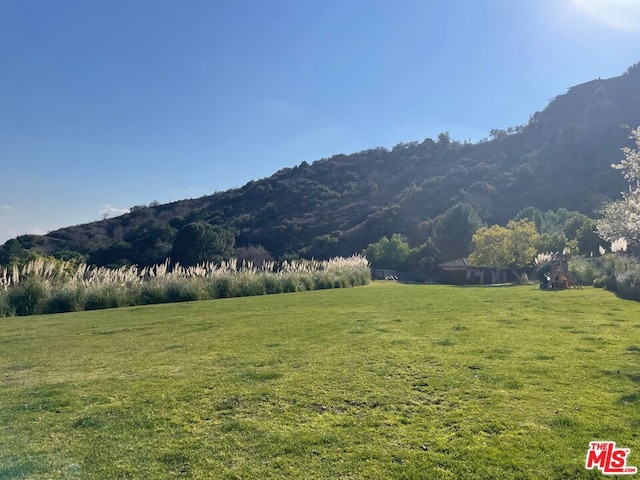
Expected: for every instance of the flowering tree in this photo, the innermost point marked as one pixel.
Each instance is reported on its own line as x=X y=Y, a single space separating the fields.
x=621 y=218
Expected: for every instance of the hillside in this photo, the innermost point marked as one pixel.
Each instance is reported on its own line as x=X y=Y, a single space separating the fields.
x=336 y=206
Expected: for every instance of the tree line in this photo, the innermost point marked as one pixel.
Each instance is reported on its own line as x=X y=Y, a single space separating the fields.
x=459 y=233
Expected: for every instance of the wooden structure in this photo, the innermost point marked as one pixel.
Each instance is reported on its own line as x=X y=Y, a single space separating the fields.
x=557 y=275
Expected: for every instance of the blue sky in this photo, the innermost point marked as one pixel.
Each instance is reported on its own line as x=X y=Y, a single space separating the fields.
x=109 y=104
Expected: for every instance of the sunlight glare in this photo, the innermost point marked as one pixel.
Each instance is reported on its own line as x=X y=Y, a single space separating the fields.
x=618 y=14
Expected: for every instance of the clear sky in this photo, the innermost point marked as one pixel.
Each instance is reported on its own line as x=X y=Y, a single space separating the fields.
x=106 y=104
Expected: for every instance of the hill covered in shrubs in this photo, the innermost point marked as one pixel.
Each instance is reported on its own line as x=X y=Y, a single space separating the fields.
x=561 y=158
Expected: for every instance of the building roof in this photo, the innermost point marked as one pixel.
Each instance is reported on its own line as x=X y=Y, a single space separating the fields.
x=457 y=264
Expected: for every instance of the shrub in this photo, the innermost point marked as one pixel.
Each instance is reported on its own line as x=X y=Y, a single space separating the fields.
x=227 y=287
x=44 y=286
x=68 y=298
x=585 y=270
x=252 y=285
x=321 y=281
x=288 y=284
x=5 y=308
x=272 y=283
x=628 y=284
x=27 y=297
x=627 y=278
x=600 y=281
x=184 y=290
x=107 y=296
x=306 y=282
x=152 y=292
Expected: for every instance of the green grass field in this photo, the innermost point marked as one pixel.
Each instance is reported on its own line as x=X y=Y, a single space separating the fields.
x=377 y=382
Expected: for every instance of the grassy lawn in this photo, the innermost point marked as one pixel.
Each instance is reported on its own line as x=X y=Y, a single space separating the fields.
x=377 y=382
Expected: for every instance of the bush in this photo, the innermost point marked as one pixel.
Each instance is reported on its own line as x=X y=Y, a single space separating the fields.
x=5 y=308
x=627 y=278
x=27 y=297
x=43 y=287
x=585 y=270
x=251 y=285
x=272 y=283
x=107 y=296
x=322 y=281
x=68 y=298
x=225 y=288
x=601 y=281
x=184 y=290
x=629 y=284
x=152 y=292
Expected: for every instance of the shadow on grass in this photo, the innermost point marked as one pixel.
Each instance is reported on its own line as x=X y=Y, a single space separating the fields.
x=20 y=469
x=630 y=398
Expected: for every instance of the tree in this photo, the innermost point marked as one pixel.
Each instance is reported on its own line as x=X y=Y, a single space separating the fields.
x=589 y=242
x=199 y=242
x=256 y=254
x=552 y=242
x=444 y=139
x=151 y=242
x=511 y=247
x=533 y=214
x=388 y=253
x=13 y=253
x=115 y=255
x=450 y=234
x=497 y=134
x=621 y=218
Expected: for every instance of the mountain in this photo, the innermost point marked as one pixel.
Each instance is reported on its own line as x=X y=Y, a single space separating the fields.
x=336 y=206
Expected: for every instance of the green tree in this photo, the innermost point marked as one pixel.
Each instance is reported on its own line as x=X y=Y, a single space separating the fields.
x=552 y=242
x=444 y=139
x=511 y=247
x=589 y=242
x=199 y=242
x=561 y=229
x=388 y=253
x=115 y=255
x=151 y=242
x=453 y=230
x=12 y=252
x=424 y=258
x=533 y=214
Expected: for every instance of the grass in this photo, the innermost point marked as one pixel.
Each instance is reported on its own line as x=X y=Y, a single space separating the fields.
x=377 y=382
x=47 y=285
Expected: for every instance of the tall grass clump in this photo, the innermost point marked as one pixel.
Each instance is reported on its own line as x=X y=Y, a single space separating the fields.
x=53 y=286
x=627 y=278
x=617 y=272
x=69 y=297
x=585 y=270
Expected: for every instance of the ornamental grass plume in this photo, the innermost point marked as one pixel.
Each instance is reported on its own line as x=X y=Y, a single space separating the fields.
x=619 y=245
x=542 y=258
x=66 y=286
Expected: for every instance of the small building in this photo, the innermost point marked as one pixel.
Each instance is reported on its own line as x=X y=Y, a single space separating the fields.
x=460 y=272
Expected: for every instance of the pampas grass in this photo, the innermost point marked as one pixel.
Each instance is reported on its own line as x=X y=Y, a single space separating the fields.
x=52 y=286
